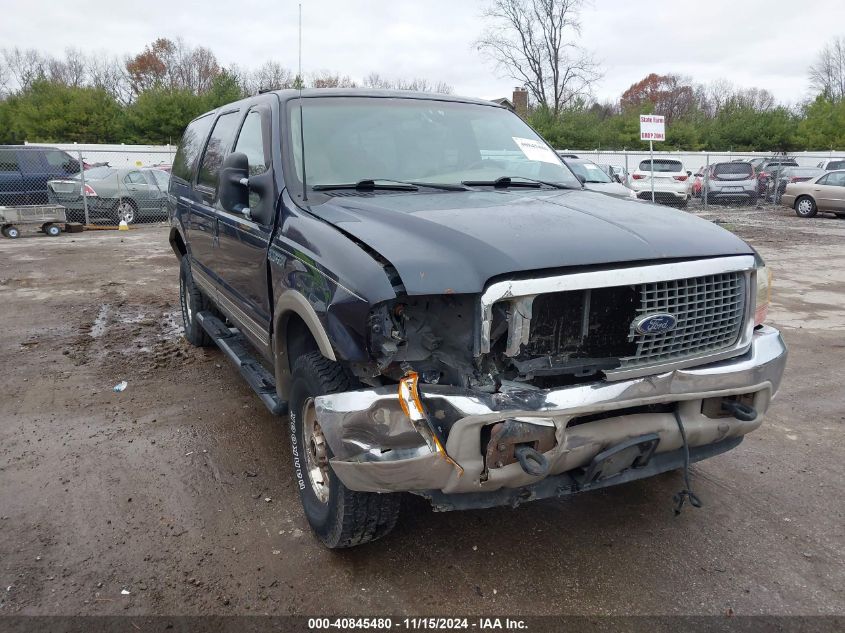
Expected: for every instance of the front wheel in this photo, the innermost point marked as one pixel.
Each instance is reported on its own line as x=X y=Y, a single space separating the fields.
x=340 y=517
x=805 y=207
x=52 y=230
x=12 y=232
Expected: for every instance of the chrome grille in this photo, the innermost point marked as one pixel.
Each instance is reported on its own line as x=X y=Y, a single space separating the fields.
x=710 y=311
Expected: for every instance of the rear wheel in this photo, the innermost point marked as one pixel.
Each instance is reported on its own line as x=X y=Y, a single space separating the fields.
x=125 y=211
x=12 y=232
x=192 y=301
x=340 y=517
x=805 y=207
x=52 y=230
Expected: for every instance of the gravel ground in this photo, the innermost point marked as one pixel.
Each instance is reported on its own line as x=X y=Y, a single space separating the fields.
x=180 y=490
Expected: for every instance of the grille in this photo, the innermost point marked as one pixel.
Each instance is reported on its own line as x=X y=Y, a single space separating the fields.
x=710 y=311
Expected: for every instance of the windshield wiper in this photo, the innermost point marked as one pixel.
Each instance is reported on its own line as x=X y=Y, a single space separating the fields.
x=371 y=184
x=515 y=181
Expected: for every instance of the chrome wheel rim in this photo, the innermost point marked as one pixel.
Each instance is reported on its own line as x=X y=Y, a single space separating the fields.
x=316 y=453
x=125 y=212
x=805 y=207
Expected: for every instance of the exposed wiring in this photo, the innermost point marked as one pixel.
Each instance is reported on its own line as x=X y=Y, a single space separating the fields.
x=681 y=497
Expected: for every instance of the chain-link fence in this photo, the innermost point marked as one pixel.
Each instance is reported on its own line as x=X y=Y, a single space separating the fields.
x=95 y=185
x=711 y=178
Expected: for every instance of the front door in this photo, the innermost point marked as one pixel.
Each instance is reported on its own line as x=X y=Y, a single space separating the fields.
x=242 y=261
x=830 y=192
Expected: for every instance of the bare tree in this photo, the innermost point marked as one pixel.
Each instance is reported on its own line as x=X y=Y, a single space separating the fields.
x=326 y=79
x=25 y=66
x=536 y=43
x=271 y=75
x=70 y=71
x=376 y=81
x=109 y=74
x=827 y=75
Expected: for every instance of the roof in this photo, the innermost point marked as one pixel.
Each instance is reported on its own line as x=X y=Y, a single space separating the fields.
x=290 y=94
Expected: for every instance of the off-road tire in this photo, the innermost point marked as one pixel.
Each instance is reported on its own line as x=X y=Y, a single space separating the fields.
x=192 y=301
x=53 y=230
x=805 y=207
x=347 y=518
x=12 y=232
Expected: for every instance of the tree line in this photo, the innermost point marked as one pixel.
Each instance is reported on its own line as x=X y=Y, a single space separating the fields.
x=537 y=44
x=145 y=98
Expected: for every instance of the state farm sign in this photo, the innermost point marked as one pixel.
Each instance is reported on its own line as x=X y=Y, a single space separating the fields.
x=652 y=127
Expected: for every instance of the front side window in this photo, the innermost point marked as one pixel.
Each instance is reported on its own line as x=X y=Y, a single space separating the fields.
x=218 y=147
x=349 y=139
x=251 y=142
x=836 y=179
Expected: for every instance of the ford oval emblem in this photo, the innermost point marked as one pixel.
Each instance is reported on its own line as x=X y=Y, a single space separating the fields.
x=656 y=323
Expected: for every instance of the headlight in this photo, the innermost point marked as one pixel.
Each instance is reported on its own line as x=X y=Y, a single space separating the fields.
x=764 y=294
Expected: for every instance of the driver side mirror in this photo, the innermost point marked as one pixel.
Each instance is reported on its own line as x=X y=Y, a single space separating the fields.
x=233 y=184
x=689 y=173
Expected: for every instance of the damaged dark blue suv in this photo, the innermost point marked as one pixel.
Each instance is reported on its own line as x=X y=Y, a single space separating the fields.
x=440 y=308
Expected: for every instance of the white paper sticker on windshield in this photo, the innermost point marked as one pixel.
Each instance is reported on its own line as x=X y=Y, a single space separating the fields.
x=536 y=150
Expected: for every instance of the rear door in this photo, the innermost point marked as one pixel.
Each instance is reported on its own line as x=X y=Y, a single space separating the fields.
x=182 y=196
x=12 y=190
x=242 y=260
x=203 y=212
x=141 y=191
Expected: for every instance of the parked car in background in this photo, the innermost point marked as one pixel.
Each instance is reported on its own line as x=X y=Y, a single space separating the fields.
x=822 y=193
x=795 y=174
x=128 y=194
x=671 y=181
x=618 y=174
x=769 y=171
x=595 y=178
x=25 y=170
x=564 y=154
x=731 y=182
x=831 y=164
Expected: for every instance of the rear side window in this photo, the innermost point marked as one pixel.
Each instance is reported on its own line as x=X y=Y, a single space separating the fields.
x=190 y=147
x=836 y=179
x=135 y=178
x=8 y=160
x=836 y=164
x=61 y=160
x=733 y=169
x=218 y=146
x=662 y=165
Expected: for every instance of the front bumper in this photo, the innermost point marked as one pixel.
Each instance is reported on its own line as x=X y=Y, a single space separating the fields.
x=376 y=448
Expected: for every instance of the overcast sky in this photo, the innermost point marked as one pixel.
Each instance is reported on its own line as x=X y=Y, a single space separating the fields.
x=751 y=43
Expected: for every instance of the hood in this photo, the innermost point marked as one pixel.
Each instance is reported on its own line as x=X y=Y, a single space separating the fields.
x=610 y=188
x=453 y=242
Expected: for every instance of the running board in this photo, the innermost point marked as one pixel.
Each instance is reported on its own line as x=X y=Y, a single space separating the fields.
x=235 y=346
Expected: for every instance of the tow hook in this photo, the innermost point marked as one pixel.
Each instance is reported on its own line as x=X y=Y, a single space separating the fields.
x=740 y=410
x=533 y=462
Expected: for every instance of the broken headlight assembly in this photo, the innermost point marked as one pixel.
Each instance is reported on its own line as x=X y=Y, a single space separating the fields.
x=764 y=292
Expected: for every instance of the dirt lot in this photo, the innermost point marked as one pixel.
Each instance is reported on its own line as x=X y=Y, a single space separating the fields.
x=180 y=489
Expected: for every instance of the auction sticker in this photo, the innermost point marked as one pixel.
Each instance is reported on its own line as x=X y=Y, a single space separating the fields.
x=536 y=150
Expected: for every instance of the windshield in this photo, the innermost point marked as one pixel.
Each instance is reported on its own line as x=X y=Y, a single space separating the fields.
x=350 y=139
x=662 y=165
x=590 y=172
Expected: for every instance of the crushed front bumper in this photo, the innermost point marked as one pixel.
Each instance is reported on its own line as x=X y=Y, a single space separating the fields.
x=377 y=449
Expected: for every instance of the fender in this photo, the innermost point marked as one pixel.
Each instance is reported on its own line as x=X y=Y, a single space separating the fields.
x=294 y=302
